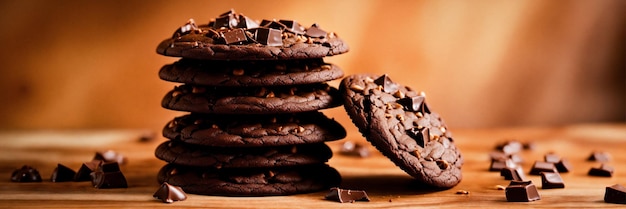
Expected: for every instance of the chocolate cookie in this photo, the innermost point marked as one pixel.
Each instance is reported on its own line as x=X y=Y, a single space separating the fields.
x=397 y=121
x=233 y=36
x=257 y=100
x=222 y=157
x=250 y=73
x=251 y=182
x=254 y=131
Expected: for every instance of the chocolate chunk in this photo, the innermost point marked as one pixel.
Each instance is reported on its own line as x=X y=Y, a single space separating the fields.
x=615 y=194
x=189 y=27
x=83 y=173
x=498 y=155
x=563 y=166
x=551 y=180
x=521 y=191
x=346 y=195
x=510 y=147
x=109 y=167
x=388 y=85
x=497 y=165
x=26 y=174
x=516 y=158
x=529 y=146
x=420 y=135
x=315 y=32
x=354 y=149
x=539 y=167
x=62 y=173
x=599 y=157
x=108 y=180
x=169 y=193
x=226 y=20
x=268 y=36
x=235 y=36
x=552 y=158
x=110 y=156
x=516 y=174
x=273 y=24
x=604 y=170
x=247 y=23
x=415 y=104
x=293 y=26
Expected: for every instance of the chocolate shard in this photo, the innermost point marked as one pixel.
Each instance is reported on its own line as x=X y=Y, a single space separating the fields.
x=83 y=173
x=62 y=174
x=354 y=149
x=420 y=135
x=615 y=194
x=539 y=167
x=188 y=28
x=563 y=166
x=604 y=171
x=110 y=156
x=268 y=36
x=551 y=180
x=292 y=26
x=521 y=191
x=315 y=32
x=346 y=195
x=551 y=158
x=247 y=23
x=516 y=174
x=26 y=174
x=108 y=180
x=599 y=156
x=415 y=104
x=169 y=193
x=497 y=165
x=235 y=36
x=388 y=85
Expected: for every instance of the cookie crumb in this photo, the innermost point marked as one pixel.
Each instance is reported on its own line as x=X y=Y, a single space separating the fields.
x=499 y=187
x=465 y=192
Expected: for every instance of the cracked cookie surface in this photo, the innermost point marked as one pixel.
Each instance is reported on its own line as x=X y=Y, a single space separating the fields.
x=397 y=121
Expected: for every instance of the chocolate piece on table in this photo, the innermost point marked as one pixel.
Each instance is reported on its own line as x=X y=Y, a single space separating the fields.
x=497 y=165
x=109 y=167
x=615 y=194
x=551 y=158
x=521 y=191
x=529 y=146
x=169 y=193
x=498 y=155
x=599 y=156
x=315 y=32
x=388 y=85
x=346 y=195
x=110 y=156
x=563 y=166
x=107 y=180
x=510 y=147
x=62 y=173
x=83 y=173
x=551 y=180
x=604 y=170
x=539 y=167
x=516 y=174
x=354 y=149
x=26 y=174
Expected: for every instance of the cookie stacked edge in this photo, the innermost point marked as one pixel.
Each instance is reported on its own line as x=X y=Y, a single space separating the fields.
x=252 y=92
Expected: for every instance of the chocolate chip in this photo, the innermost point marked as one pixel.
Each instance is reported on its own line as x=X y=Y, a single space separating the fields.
x=521 y=191
x=497 y=165
x=615 y=194
x=563 y=166
x=26 y=174
x=62 y=174
x=604 y=171
x=599 y=156
x=345 y=195
x=386 y=83
x=169 y=193
x=551 y=158
x=415 y=104
x=539 y=167
x=551 y=180
x=516 y=174
x=315 y=32
x=110 y=156
x=108 y=180
x=268 y=36
x=108 y=167
x=420 y=135
x=83 y=173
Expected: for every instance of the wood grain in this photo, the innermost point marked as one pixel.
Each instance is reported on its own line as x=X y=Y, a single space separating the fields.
x=387 y=186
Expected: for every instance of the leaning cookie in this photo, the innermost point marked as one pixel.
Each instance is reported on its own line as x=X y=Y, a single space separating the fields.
x=251 y=181
x=260 y=130
x=258 y=100
x=233 y=36
x=250 y=73
x=397 y=121
x=223 y=157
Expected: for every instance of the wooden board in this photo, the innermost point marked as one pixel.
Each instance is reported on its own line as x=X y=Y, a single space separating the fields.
x=386 y=185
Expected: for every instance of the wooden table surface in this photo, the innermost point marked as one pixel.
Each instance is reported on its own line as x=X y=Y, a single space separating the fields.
x=386 y=185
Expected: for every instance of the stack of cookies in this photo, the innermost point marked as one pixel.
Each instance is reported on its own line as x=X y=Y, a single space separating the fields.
x=253 y=91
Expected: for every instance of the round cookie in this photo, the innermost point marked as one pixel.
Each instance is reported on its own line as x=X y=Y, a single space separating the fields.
x=222 y=157
x=258 y=130
x=251 y=182
x=397 y=121
x=233 y=36
x=250 y=73
x=258 y=100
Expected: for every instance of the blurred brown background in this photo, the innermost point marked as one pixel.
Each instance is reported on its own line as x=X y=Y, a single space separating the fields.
x=485 y=63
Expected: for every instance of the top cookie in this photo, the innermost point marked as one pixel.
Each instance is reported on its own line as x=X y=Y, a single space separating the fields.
x=397 y=121
x=233 y=36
